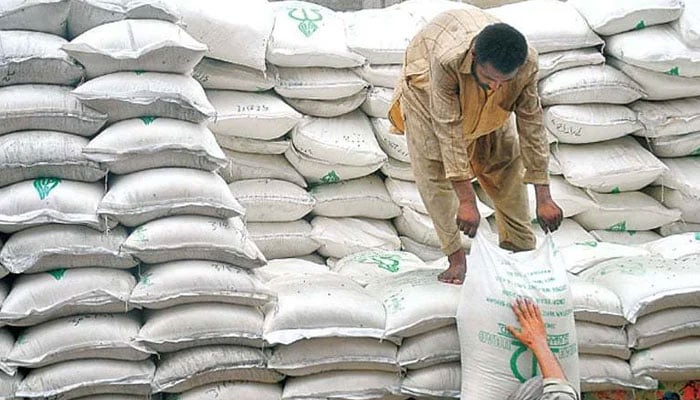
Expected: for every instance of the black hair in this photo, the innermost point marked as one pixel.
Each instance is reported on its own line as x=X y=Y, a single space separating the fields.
x=502 y=46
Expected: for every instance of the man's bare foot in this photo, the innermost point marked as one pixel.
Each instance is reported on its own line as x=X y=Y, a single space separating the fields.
x=457 y=269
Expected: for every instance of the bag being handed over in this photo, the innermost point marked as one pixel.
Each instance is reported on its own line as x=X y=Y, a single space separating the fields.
x=494 y=363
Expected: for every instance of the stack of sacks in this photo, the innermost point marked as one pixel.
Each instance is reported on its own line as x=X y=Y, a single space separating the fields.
x=659 y=298
x=642 y=43
x=417 y=231
x=183 y=216
x=329 y=331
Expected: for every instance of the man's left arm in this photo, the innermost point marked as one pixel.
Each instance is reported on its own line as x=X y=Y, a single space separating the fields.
x=534 y=151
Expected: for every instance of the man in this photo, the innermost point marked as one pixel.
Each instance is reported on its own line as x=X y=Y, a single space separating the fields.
x=552 y=385
x=463 y=77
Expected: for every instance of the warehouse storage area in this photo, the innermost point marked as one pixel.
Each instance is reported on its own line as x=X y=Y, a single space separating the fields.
x=204 y=200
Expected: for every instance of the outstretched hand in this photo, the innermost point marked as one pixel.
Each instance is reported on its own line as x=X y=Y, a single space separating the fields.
x=532 y=333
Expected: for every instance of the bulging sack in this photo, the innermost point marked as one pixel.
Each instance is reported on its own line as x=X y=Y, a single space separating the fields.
x=675 y=146
x=380 y=75
x=340 y=237
x=675 y=360
x=146 y=143
x=317 y=171
x=126 y=95
x=309 y=35
x=378 y=102
x=441 y=381
x=494 y=363
x=87 y=14
x=364 y=197
x=393 y=145
x=318 y=83
x=35 y=15
x=671 y=198
x=374 y=266
x=136 y=45
x=589 y=84
x=221 y=75
x=254 y=146
x=680 y=176
x=550 y=63
x=590 y=123
x=46 y=107
x=688 y=25
x=439 y=346
x=260 y=166
x=233 y=390
x=609 y=18
x=658 y=85
x=329 y=108
x=602 y=340
x=599 y=373
x=283 y=239
x=628 y=211
x=668 y=118
x=36 y=57
x=334 y=384
x=272 y=200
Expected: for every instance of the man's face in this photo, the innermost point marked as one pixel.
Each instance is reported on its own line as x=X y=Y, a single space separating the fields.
x=489 y=77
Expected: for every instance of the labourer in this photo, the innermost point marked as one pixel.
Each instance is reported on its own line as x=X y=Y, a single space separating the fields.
x=552 y=385
x=464 y=75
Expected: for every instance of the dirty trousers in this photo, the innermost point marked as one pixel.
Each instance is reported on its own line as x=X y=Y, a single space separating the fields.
x=496 y=163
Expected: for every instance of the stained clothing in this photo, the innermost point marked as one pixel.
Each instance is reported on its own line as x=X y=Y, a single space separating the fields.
x=456 y=130
x=547 y=389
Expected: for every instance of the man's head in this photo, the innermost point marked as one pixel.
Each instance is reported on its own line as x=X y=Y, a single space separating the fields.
x=499 y=51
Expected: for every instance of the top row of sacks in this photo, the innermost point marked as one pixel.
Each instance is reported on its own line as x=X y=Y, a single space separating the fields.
x=302 y=34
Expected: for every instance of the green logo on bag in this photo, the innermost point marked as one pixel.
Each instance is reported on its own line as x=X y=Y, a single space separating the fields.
x=139 y=72
x=331 y=177
x=619 y=227
x=631 y=233
x=675 y=71
x=145 y=279
x=697 y=235
x=640 y=25
x=57 y=273
x=616 y=190
x=589 y=243
x=307 y=19
x=148 y=120
x=696 y=152
x=44 y=186
x=388 y=262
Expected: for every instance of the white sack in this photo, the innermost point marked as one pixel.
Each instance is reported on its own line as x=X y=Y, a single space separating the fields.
x=397 y=169
x=376 y=266
x=187 y=237
x=35 y=15
x=253 y=146
x=283 y=239
x=393 y=145
x=189 y=368
x=50 y=200
x=87 y=14
x=7 y=342
x=602 y=340
x=548 y=25
x=590 y=123
x=125 y=95
x=676 y=246
x=664 y=326
x=220 y=75
x=233 y=390
x=608 y=18
x=380 y=75
x=252 y=115
x=678 y=360
x=599 y=373
x=342 y=385
x=35 y=57
x=106 y=336
x=272 y=200
x=142 y=196
x=309 y=35
x=340 y=237
x=550 y=63
x=364 y=197
x=430 y=348
x=260 y=166
x=416 y=302
x=424 y=252
x=197 y=281
x=47 y=247
x=675 y=146
x=493 y=363
x=381 y=35
x=671 y=198
x=648 y=284
x=317 y=83
x=329 y=108
x=321 y=171
x=420 y=228
x=441 y=381
x=627 y=211
x=145 y=143
x=658 y=85
x=596 y=303
x=136 y=45
x=589 y=84
x=36 y=298
x=46 y=107
x=657 y=48
x=321 y=305
x=688 y=25
x=668 y=118
x=583 y=255
x=678 y=227
x=627 y=238
x=34 y=154
x=682 y=175
x=378 y=102
x=202 y=324
x=320 y=355
x=78 y=378
x=231 y=35
x=290 y=266
x=615 y=165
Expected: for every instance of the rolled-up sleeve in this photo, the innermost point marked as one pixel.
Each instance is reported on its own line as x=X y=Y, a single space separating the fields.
x=534 y=146
x=446 y=114
x=557 y=389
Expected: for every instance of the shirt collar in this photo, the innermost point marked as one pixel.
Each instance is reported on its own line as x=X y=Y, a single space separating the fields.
x=466 y=66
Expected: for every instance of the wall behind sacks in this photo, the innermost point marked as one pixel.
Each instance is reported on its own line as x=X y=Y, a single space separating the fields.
x=349 y=5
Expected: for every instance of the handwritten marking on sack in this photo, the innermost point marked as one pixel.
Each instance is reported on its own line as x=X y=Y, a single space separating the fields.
x=44 y=186
x=252 y=108
x=564 y=129
x=8 y=76
x=307 y=19
x=218 y=224
x=57 y=273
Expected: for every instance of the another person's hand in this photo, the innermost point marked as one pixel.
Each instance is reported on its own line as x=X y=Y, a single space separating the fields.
x=532 y=333
x=468 y=218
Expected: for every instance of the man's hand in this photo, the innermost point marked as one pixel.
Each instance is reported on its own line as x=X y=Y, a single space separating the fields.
x=468 y=218
x=549 y=215
x=532 y=331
